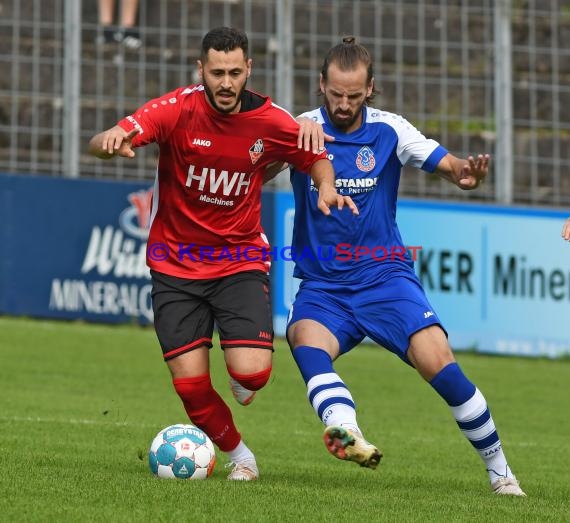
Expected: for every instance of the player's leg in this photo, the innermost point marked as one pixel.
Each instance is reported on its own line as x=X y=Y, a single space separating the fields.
x=204 y=406
x=249 y=371
x=430 y=354
x=184 y=326
x=314 y=348
x=242 y=307
x=399 y=317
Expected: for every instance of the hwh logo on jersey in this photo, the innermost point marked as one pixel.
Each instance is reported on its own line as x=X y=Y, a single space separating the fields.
x=231 y=185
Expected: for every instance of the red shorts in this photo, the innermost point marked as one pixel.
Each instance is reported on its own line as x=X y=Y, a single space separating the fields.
x=185 y=312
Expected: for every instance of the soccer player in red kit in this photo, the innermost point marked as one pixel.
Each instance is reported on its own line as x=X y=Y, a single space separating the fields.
x=206 y=249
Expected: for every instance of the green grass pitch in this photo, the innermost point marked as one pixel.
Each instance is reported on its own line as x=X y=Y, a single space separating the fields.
x=81 y=403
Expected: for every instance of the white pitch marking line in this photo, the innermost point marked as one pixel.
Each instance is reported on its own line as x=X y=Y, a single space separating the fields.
x=73 y=421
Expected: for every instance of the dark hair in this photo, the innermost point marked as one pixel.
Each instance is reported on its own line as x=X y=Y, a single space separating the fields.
x=347 y=55
x=224 y=39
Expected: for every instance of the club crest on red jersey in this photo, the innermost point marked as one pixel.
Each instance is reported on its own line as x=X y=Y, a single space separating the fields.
x=365 y=160
x=256 y=150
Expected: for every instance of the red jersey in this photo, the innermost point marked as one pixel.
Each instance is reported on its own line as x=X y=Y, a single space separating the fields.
x=206 y=210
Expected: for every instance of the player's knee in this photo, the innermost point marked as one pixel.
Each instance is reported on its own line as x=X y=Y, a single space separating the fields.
x=251 y=381
x=193 y=391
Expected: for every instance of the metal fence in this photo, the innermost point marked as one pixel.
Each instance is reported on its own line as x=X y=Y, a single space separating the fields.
x=477 y=75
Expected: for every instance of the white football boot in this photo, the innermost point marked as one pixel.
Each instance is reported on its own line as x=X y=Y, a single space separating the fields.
x=242 y=395
x=243 y=471
x=507 y=487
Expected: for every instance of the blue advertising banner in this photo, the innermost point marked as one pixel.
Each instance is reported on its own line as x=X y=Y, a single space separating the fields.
x=74 y=249
x=499 y=278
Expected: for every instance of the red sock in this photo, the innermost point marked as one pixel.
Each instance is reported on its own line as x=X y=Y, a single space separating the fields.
x=253 y=381
x=207 y=410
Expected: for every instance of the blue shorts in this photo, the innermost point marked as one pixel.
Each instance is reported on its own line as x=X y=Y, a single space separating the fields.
x=388 y=311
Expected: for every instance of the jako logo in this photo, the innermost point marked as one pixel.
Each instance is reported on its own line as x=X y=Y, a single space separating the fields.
x=203 y=143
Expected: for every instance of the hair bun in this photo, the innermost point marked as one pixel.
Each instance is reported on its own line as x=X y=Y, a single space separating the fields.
x=349 y=40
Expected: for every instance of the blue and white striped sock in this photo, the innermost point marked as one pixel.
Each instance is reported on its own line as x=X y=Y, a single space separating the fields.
x=472 y=415
x=326 y=391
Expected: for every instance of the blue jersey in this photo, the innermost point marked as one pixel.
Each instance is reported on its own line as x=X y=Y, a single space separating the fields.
x=367 y=162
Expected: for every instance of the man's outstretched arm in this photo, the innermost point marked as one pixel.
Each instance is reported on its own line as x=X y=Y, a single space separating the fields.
x=467 y=174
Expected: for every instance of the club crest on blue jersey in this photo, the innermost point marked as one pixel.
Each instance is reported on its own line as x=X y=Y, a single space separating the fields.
x=365 y=160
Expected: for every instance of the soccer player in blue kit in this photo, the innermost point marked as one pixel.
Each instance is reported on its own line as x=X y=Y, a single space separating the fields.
x=350 y=295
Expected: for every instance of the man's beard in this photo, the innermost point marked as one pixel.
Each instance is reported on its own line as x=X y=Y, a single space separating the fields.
x=342 y=124
x=225 y=109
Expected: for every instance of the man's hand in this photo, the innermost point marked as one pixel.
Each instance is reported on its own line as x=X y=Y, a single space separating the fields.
x=466 y=174
x=113 y=142
x=566 y=230
x=328 y=198
x=311 y=135
x=473 y=172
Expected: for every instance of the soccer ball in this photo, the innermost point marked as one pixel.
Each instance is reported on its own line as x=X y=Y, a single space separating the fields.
x=182 y=451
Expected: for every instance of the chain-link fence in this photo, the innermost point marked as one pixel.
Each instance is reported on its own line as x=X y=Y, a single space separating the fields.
x=450 y=67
